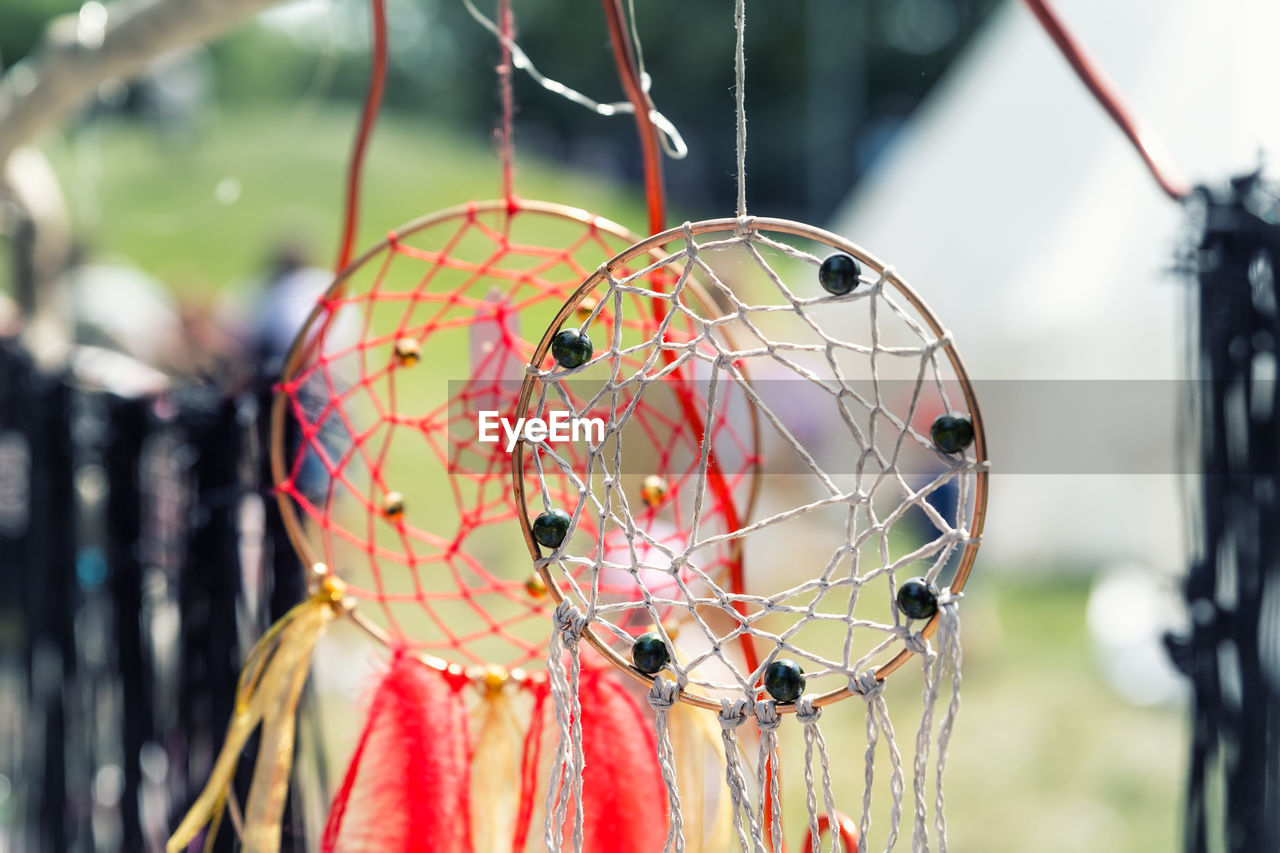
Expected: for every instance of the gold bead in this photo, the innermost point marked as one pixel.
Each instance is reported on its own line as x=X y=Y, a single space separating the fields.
x=672 y=629
x=408 y=352
x=334 y=589
x=535 y=586
x=327 y=585
x=654 y=490
x=495 y=677
x=586 y=306
x=393 y=506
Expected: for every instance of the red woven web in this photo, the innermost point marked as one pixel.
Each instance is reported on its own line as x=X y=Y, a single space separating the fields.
x=472 y=288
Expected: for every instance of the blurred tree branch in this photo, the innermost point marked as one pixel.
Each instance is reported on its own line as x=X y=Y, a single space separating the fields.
x=81 y=51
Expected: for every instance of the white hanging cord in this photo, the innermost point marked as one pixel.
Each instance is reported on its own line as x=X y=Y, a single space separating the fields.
x=932 y=668
x=733 y=713
x=767 y=783
x=672 y=142
x=872 y=690
x=807 y=715
x=662 y=696
x=950 y=653
x=637 y=46
x=569 y=760
x=740 y=73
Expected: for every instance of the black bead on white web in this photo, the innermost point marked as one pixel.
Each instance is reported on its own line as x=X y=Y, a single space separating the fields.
x=873 y=494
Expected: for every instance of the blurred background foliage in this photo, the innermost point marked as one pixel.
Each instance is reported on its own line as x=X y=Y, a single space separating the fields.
x=830 y=80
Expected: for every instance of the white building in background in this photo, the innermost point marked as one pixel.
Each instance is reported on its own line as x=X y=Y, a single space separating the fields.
x=1032 y=228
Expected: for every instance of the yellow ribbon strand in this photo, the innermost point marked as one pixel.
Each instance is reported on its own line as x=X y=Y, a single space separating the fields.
x=268 y=692
x=698 y=747
x=495 y=773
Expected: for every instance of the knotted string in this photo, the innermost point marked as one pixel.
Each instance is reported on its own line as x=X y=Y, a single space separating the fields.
x=767 y=783
x=808 y=715
x=733 y=713
x=871 y=689
x=569 y=625
x=928 y=658
x=950 y=654
x=662 y=696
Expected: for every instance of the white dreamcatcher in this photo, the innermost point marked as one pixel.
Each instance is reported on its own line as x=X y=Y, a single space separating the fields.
x=873 y=509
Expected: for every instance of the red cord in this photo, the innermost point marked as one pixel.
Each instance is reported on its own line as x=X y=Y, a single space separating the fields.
x=844 y=825
x=506 y=148
x=372 y=101
x=1104 y=92
x=629 y=73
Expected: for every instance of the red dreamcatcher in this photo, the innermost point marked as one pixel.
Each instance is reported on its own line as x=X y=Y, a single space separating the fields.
x=391 y=441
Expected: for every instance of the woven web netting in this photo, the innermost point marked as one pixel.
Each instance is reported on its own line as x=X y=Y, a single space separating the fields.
x=856 y=497
x=381 y=469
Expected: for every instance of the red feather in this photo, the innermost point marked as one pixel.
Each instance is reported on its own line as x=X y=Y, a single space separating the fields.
x=624 y=799
x=406 y=789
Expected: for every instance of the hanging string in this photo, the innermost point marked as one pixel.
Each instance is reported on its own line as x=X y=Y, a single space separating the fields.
x=355 y=167
x=931 y=668
x=506 y=149
x=769 y=794
x=871 y=689
x=733 y=713
x=662 y=696
x=565 y=784
x=808 y=715
x=639 y=48
x=951 y=655
x=767 y=721
x=740 y=73
x=672 y=142
x=372 y=102
x=1149 y=148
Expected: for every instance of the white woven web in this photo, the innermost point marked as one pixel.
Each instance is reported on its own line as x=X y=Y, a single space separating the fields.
x=845 y=387
x=877 y=389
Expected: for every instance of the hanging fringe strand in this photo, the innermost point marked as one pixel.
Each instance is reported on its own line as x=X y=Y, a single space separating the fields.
x=662 y=696
x=267 y=695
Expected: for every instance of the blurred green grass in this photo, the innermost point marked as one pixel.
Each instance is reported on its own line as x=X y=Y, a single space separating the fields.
x=201 y=207
x=1044 y=759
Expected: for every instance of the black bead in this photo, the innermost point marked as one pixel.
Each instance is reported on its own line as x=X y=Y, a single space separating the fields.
x=550 y=528
x=784 y=679
x=571 y=348
x=918 y=599
x=650 y=654
x=952 y=433
x=839 y=274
